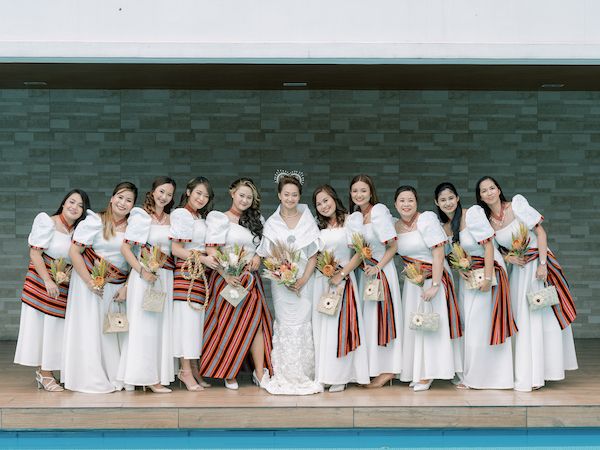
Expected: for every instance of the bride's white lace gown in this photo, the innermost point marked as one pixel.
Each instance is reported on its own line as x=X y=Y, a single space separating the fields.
x=293 y=355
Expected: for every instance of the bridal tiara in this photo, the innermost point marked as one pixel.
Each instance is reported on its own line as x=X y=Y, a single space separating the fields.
x=279 y=174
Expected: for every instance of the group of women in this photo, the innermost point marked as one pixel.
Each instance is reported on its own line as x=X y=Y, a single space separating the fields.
x=485 y=338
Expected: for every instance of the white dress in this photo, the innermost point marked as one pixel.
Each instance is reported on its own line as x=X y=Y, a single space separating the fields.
x=41 y=335
x=485 y=366
x=147 y=356
x=293 y=353
x=188 y=323
x=90 y=357
x=427 y=354
x=542 y=351
x=388 y=358
x=331 y=369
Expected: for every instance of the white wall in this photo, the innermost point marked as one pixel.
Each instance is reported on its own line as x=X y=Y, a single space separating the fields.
x=304 y=30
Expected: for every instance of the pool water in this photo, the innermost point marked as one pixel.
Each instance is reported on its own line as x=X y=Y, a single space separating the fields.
x=563 y=438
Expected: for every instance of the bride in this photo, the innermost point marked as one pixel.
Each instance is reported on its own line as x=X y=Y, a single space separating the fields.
x=293 y=353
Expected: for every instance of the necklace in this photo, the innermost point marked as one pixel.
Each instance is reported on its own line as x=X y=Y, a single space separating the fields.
x=290 y=216
x=499 y=220
x=162 y=219
x=367 y=210
x=234 y=211
x=409 y=225
x=193 y=212
x=118 y=223
x=62 y=219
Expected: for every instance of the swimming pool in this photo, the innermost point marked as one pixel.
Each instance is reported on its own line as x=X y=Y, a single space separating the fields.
x=577 y=438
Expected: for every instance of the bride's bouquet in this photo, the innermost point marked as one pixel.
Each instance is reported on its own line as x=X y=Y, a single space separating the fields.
x=282 y=266
x=233 y=260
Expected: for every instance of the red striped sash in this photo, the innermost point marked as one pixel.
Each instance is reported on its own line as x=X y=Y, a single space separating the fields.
x=117 y=276
x=348 y=331
x=565 y=311
x=169 y=263
x=181 y=286
x=34 y=292
x=454 y=320
x=385 y=309
x=503 y=322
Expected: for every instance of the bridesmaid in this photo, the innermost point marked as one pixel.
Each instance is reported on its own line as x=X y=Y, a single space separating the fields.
x=188 y=233
x=293 y=347
x=44 y=297
x=487 y=314
x=543 y=347
x=340 y=350
x=427 y=354
x=230 y=333
x=91 y=357
x=383 y=319
x=146 y=357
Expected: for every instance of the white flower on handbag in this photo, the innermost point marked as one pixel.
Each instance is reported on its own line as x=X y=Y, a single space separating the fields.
x=538 y=299
x=119 y=322
x=328 y=304
x=479 y=277
x=234 y=294
x=417 y=320
x=370 y=289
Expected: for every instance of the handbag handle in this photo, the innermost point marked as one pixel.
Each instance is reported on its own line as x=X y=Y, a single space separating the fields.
x=421 y=306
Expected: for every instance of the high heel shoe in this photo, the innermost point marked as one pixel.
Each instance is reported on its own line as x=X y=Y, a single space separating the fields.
x=158 y=389
x=380 y=382
x=262 y=382
x=422 y=386
x=337 y=388
x=234 y=386
x=189 y=386
x=47 y=383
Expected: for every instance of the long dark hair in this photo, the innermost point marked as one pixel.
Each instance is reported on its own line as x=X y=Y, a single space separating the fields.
x=190 y=187
x=480 y=202
x=108 y=227
x=340 y=210
x=149 y=204
x=369 y=181
x=251 y=217
x=455 y=223
x=84 y=198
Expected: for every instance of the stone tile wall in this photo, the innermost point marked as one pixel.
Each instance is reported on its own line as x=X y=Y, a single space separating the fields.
x=545 y=145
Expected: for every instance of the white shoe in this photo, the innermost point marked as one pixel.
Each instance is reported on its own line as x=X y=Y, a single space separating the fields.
x=234 y=386
x=337 y=388
x=412 y=384
x=263 y=381
x=422 y=386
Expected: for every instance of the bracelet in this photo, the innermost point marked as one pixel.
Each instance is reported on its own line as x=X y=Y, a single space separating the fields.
x=543 y=263
x=435 y=284
x=343 y=274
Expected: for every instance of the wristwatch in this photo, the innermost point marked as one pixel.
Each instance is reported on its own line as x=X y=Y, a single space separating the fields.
x=343 y=274
x=543 y=263
x=435 y=284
